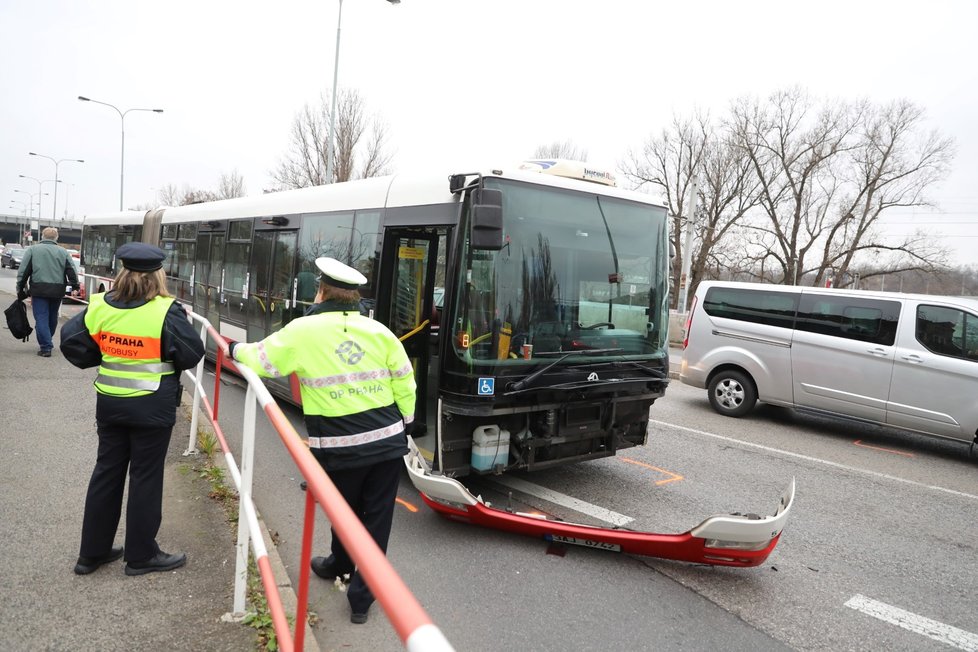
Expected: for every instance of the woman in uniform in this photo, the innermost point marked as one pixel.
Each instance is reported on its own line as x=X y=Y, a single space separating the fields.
x=141 y=340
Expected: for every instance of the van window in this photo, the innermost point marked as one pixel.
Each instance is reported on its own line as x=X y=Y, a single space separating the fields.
x=948 y=331
x=757 y=306
x=854 y=318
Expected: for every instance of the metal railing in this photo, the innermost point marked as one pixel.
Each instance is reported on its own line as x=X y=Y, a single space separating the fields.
x=409 y=619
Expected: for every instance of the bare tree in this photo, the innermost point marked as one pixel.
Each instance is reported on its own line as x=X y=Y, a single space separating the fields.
x=826 y=172
x=361 y=144
x=169 y=195
x=557 y=149
x=231 y=185
x=892 y=164
x=693 y=148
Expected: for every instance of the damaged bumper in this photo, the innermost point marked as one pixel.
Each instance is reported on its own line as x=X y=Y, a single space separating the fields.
x=727 y=540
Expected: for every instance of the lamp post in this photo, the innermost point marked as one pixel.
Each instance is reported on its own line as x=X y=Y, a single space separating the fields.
x=23 y=211
x=66 y=202
x=39 y=183
x=122 y=157
x=57 y=162
x=32 y=195
x=331 y=145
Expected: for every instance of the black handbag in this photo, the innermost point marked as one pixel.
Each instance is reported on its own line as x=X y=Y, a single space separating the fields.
x=17 y=320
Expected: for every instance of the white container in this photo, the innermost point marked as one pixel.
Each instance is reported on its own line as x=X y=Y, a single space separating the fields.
x=490 y=446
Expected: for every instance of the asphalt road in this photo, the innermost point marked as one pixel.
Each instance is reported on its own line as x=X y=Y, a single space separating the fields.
x=883 y=521
x=881 y=551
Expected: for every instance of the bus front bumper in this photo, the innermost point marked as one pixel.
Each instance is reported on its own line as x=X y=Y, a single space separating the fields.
x=723 y=540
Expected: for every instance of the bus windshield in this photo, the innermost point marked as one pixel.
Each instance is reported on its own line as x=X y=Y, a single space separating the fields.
x=577 y=272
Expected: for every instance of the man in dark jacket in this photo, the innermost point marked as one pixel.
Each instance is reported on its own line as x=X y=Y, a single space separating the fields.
x=47 y=270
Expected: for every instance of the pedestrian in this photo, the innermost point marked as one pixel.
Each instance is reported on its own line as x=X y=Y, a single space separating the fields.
x=358 y=393
x=47 y=270
x=141 y=340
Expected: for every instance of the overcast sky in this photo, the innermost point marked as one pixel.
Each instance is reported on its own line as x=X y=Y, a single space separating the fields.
x=458 y=82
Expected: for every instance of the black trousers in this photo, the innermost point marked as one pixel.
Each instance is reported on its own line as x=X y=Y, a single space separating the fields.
x=370 y=491
x=142 y=452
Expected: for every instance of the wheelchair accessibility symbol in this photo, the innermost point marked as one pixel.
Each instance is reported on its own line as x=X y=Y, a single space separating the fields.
x=487 y=386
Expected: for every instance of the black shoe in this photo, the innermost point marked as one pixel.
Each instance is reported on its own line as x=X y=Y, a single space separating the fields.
x=86 y=565
x=358 y=619
x=161 y=562
x=44 y=354
x=325 y=569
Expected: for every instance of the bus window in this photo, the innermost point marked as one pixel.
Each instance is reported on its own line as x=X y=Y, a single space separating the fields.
x=236 y=258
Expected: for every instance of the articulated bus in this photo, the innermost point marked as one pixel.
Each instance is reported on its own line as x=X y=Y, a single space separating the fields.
x=533 y=305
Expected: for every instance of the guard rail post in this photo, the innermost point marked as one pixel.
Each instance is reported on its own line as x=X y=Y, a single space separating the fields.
x=244 y=494
x=192 y=444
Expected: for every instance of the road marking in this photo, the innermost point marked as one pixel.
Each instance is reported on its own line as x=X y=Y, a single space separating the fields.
x=933 y=629
x=675 y=476
x=408 y=506
x=859 y=442
x=817 y=460
x=564 y=500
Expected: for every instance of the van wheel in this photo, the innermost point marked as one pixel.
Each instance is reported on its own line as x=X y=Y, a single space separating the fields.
x=732 y=393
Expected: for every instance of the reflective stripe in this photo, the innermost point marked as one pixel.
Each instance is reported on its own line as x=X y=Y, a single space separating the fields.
x=409 y=419
x=343 y=379
x=149 y=367
x=406 y=370
x=128 y=383
x=265 y=363
x=358 y=439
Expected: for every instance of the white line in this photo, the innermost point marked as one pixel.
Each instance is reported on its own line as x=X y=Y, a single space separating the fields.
x=558 y=498
x=959 y=638
x=818 y=460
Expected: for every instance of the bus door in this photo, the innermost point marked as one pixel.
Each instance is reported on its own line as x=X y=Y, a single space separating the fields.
x=208 y=277
x=272 y=287
x=406 y=304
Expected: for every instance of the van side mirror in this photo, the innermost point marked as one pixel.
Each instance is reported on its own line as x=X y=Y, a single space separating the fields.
x=487 y=219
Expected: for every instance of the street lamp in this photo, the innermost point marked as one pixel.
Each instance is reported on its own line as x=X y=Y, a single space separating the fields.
x=39 y=184
x=122 y=157
x=331 y=146
x=57 y=162
x=66 y=202
x=23 y=211
x=32 y=195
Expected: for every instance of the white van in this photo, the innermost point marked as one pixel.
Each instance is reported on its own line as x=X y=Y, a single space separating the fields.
x=902 y=360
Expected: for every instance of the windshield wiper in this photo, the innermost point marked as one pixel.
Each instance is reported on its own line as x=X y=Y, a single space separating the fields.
x=580 y=384
x=517 y=386
x=655 y=373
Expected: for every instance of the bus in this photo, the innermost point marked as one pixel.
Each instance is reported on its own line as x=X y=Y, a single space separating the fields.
x=533 y=305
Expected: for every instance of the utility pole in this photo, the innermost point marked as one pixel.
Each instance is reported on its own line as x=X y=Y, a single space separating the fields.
x=687 y=248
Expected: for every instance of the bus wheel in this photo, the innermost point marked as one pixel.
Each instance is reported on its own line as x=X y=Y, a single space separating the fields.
x=732 y=393
x=101 y=288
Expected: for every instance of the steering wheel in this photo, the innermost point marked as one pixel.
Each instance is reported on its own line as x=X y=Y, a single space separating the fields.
x=606 y=324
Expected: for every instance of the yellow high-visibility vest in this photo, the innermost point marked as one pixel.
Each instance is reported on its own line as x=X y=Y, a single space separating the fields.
x=130 y=343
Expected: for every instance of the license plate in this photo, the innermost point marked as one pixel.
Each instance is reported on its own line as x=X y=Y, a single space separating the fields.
x=587 y=543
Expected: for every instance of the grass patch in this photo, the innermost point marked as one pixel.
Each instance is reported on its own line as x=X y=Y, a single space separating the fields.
x=223 y=491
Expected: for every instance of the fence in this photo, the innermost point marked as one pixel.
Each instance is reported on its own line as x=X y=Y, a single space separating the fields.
x=407 y=616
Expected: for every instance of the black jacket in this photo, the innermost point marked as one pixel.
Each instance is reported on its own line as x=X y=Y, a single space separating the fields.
x=179 y=344
x=47 y=269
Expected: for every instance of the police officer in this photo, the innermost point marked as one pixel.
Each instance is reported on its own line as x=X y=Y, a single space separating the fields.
x=358 y=394
x=141 y=340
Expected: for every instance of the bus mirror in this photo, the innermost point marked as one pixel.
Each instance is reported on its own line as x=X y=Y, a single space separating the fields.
x=487 y=219
x=456 y=182
x=672 y=250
